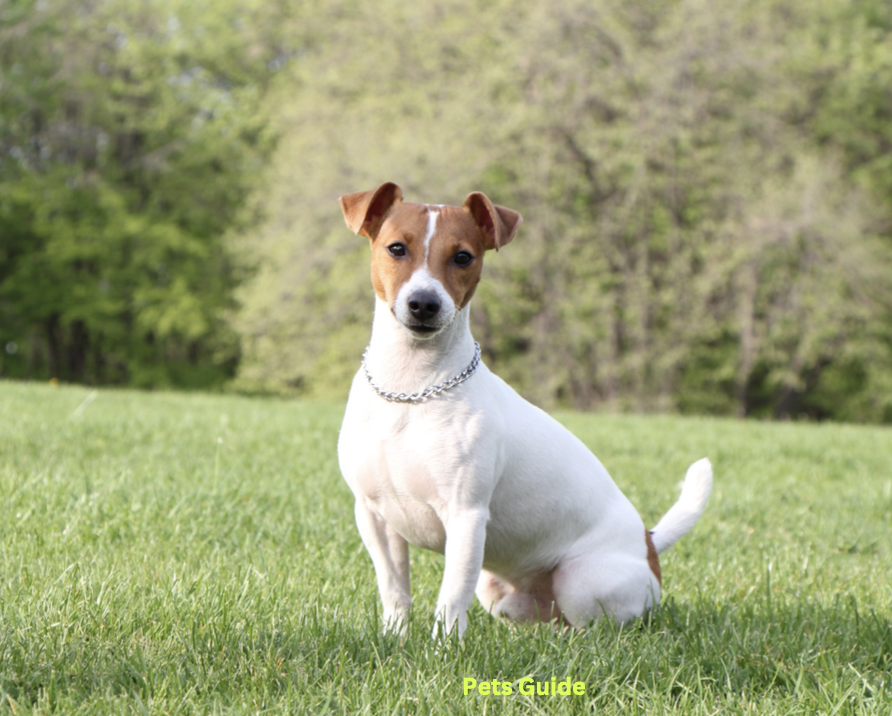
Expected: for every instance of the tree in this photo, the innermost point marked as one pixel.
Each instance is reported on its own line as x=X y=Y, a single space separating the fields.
x=693 y=240
x=131 y=137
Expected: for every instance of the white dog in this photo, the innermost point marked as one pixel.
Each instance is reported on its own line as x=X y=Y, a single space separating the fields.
x=442 y=454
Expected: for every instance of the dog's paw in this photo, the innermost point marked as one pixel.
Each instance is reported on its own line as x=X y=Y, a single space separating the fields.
x=396 y=623
x=445 y=628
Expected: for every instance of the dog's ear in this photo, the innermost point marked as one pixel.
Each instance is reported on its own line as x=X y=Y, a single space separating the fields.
x=365 y=211
x=497 y=223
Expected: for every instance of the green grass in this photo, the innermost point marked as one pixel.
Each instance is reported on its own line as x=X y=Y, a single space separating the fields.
x=180 y=553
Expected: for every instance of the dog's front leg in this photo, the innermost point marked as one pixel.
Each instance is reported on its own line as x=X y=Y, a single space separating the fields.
x=390 y=555
x=465 y=539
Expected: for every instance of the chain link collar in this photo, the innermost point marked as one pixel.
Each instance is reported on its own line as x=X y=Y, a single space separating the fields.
x=430 y=392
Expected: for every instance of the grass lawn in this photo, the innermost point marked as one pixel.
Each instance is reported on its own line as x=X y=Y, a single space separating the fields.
x=181 y=553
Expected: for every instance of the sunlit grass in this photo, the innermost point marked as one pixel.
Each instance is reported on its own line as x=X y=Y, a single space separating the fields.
x=171 y=553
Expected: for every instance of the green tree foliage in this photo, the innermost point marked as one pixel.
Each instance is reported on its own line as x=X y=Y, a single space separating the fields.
x=131 y=135
x=847 y=65
x=705 y=189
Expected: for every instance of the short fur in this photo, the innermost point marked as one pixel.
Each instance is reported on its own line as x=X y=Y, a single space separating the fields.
x=525 y=514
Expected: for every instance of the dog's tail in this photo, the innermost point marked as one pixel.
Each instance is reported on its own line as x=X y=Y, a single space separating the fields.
x=685 y=513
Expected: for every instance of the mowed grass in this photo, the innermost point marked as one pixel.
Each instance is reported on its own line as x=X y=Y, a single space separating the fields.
x=180 y=553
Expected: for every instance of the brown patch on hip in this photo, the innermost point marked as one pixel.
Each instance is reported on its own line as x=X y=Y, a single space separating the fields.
x=546 y=605
x=653 y=560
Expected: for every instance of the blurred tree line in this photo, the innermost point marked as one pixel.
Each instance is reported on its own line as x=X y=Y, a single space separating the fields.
x=706 y=188
x=131 y=136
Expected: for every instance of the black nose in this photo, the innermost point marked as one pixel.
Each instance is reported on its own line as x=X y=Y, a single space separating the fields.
x=424 y=305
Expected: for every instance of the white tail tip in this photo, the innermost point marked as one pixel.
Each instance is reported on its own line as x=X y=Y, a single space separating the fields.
x=683 y=515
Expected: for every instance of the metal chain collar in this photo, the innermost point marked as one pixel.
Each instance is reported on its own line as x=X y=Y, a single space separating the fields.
x=430 y=392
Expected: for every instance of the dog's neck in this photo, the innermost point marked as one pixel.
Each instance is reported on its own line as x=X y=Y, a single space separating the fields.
x=398 y=362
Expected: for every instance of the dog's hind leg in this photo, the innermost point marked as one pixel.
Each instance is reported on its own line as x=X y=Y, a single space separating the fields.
x=593 y=585
x=503 y=600
x=491 y=590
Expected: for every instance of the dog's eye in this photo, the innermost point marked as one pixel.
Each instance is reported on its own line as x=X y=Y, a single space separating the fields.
x=397 y=250
x=463 y=258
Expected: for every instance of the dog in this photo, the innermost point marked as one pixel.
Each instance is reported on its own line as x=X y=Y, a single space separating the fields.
x=442 y=454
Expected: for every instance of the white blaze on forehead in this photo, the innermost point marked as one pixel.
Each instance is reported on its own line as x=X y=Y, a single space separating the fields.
x=422 y=279
x=433 y=213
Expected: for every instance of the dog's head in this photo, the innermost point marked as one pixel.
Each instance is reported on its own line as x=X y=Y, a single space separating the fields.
x=427 y=259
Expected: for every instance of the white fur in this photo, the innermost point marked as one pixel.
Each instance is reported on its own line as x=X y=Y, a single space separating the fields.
x=496 y=484
x=432 y=215
x=682 y=516
x=422 y=280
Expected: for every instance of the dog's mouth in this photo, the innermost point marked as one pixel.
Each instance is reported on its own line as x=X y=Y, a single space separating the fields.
x=418 y=329
x=423 y=329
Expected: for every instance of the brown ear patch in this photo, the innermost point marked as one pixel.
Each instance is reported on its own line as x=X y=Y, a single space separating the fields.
x=365 y=211
x=497 y=223
x=653 y=560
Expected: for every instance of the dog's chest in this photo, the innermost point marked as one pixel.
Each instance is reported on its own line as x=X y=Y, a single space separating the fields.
x=406 y=462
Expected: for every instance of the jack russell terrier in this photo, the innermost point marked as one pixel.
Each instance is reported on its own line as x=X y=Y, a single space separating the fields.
x=441 y=453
